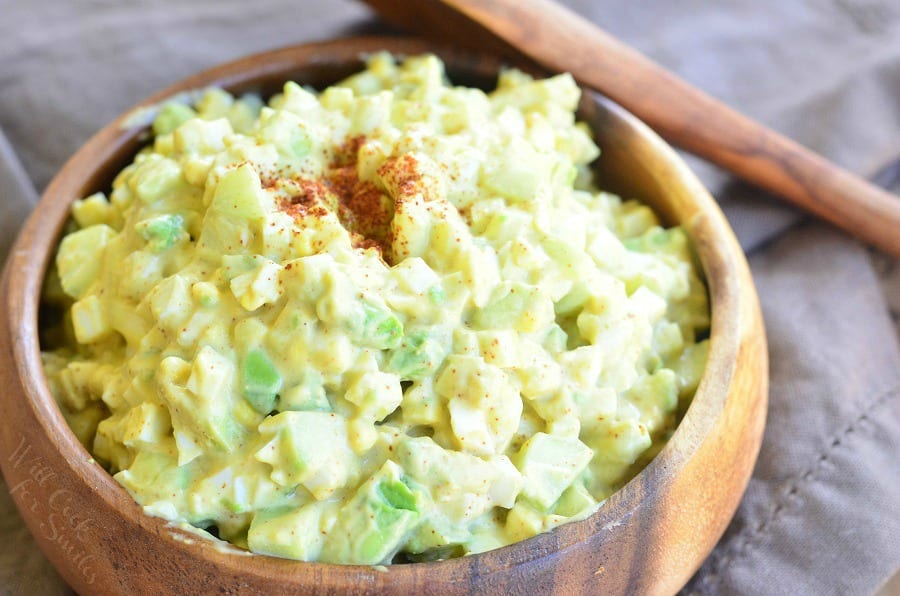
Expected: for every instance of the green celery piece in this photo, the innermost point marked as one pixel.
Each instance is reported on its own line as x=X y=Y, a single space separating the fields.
x=262 y=382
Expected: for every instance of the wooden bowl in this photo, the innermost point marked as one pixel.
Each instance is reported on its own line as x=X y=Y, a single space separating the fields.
x=649 y=537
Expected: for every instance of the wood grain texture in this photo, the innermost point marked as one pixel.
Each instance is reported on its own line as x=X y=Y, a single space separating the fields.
x=560 y=40
x=649 y=537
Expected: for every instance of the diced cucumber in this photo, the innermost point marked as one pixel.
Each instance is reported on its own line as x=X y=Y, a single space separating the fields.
x=244 y=112
x=341 y=305
x=437 y=538
x=555 y=340
x=397 y=495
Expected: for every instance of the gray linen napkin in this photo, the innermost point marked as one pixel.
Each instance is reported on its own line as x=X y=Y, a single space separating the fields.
x=23 y=570
x=822 y=513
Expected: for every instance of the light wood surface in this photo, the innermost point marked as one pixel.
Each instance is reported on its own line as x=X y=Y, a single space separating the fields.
x=559 y=39
x=647 y=538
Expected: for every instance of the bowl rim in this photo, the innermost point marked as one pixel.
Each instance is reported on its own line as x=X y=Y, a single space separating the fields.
x=727 y=323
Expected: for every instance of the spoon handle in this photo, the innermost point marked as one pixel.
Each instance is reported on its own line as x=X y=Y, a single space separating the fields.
x=561 y=40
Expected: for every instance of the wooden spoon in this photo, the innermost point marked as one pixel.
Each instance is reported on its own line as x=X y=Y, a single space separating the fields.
x=560 y=40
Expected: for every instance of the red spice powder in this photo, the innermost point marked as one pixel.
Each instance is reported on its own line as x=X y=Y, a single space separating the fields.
x=403 y=172
x=311 y=200
x=361 y=207
x=347 y=153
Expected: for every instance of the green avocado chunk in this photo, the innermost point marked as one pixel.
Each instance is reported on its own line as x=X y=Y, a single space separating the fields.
x=161 y=232
x=418 y=355
x=380 y=329
x=261 y=381
x=374 y=524
x=171 y=116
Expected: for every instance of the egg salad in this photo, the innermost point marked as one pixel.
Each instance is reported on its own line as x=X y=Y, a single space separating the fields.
x=393 y=320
